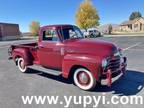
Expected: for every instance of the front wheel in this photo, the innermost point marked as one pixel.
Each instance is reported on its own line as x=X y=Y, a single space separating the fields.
x=21 y=65
x=84 y=79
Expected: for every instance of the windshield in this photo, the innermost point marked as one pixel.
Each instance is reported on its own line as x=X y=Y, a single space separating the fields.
x=71 y=33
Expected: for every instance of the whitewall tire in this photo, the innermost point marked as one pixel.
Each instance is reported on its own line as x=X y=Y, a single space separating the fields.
x=84 y=79
x=21 y=65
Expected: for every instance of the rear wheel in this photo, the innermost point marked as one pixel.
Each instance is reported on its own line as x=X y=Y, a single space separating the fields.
x=84 y=79
x=21 y=65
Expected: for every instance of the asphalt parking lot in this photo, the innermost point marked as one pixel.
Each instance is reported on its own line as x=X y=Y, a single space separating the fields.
x=14 y=84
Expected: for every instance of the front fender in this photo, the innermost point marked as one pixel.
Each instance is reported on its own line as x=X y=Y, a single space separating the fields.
x=92 y=63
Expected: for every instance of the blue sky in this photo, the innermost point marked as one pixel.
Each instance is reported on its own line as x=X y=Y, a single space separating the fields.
x=63 y=11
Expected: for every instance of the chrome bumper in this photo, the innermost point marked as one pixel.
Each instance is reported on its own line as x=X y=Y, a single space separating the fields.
x=108 y=82
x=108 y=77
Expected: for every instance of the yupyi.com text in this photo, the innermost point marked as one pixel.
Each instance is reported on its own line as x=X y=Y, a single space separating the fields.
x=85 y=101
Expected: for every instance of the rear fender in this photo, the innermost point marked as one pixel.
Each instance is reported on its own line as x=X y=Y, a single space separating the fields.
x=24 y=53
x=92 y=63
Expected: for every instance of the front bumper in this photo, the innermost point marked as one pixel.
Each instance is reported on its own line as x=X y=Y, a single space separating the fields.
x=108 y=77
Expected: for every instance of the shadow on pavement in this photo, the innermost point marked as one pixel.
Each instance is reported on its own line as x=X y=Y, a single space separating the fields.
x=131 y=84
x=53 y=77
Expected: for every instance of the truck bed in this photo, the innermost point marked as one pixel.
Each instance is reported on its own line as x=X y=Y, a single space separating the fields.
x=28 y=45
x=31 y=47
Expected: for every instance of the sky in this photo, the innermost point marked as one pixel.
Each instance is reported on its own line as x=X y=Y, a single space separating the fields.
x=48 y=12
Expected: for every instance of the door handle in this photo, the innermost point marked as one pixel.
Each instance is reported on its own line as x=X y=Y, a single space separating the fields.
x=41 y=46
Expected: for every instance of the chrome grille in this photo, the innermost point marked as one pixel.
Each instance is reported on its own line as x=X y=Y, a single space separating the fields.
x=114 y=63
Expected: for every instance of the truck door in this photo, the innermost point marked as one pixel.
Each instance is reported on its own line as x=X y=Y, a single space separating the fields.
x=50 y=49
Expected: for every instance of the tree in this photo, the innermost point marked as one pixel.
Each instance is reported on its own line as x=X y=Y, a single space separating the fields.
x=135 y=15
x=87 y=15
x=110 y=28
x=34 y=27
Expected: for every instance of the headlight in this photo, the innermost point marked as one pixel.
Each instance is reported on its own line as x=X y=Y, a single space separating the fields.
x=104 y=63
x=121 y=60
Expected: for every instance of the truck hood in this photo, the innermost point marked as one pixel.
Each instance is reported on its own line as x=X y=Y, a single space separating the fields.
x=94 y=47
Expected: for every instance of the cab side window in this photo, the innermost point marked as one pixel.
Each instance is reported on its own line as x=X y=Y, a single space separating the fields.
x=50 y=35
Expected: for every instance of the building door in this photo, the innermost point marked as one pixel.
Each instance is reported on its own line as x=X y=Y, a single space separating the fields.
x=140 y=26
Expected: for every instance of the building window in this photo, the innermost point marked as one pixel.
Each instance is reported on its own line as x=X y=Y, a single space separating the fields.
x=136 y=26
x=130 y=26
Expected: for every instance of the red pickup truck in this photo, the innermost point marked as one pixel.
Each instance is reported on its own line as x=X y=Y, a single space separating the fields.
x=62 y=50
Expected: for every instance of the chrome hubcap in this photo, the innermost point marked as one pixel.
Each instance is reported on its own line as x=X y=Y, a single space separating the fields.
x=83 y=78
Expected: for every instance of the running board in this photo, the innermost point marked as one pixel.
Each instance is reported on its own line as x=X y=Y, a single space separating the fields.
x=45 y=70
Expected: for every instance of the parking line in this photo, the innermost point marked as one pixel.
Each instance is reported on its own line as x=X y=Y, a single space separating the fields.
x=132 y=46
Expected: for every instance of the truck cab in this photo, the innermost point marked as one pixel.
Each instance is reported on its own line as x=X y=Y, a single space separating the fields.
x=63 y=49
x=52 y=45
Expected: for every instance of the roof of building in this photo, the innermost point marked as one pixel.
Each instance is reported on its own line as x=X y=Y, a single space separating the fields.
x=131 y=21
x=7 y=23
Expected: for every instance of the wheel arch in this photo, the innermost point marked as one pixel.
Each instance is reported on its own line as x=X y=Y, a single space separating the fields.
x=22 y=53
x=74 y=68
x=16 y=59
x=74 y=61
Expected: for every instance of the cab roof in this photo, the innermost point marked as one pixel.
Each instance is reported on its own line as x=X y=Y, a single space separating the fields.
x=57 y=26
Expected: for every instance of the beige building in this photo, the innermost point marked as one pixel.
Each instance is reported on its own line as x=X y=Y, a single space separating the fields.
x=136 y=25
